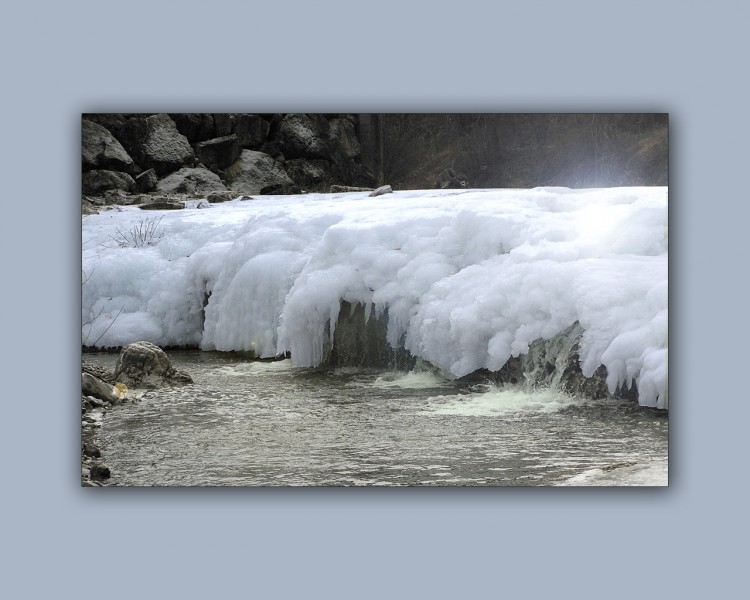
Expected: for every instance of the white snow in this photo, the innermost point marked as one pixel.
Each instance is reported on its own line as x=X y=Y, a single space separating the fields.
x=468 y=278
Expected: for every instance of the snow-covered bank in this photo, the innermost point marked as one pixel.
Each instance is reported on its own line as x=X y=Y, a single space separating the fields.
x=468 y=278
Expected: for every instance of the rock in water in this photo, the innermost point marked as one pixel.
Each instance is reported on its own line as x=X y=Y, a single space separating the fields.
x=145 y=365
x=93 y=386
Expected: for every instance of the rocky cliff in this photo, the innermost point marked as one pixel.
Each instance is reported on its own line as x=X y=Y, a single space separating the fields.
x=152 y=158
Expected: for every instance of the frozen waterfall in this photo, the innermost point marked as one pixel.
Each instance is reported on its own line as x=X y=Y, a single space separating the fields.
x=464 y=279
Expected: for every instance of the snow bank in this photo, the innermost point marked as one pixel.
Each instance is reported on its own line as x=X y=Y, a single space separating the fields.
x=468 y=278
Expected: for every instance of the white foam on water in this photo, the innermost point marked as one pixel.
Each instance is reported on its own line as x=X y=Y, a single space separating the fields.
x=256 y=368
x=411 y=380
x=501 y=402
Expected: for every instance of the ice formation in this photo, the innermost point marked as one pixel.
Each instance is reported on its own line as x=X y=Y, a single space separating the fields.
x=468 y=278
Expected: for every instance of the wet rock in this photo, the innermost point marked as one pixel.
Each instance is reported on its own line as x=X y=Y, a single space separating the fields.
x=96 y=388
x=98 y=471
x=91 y=451
x=145 y=365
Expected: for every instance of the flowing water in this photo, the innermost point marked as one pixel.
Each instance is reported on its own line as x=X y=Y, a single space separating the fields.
x=248 y=423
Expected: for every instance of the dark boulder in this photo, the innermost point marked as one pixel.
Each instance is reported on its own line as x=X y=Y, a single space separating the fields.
x=196 y=127
x=307 y=173
x=214 y=197
x=224 y=123
x=98 y=471
x=98 y=181
x=155 y=143
x=101 y=150
x=303 y=136
x=110 y=121
x=450 y=179
x=218 y=153
x=190 y=181
x=251 y=130
x=146 y=181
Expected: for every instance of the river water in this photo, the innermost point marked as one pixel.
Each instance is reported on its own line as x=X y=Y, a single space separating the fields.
x=246 y=423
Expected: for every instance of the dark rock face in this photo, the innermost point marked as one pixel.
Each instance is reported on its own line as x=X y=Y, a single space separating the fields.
x=96 y=182
x=307 y=173
x=196 y=127
x=143 y=364
x=255 y=171
x=218 y=153
x=190 y=181
x=146 y=181
x=100 y=150
x=112 y=122
x=155 y=143
x=251 y=130
x=343 y=138
x=450 y=179
x=303 y=136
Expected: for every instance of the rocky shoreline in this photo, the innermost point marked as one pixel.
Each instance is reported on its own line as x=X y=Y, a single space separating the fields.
x=140 y=366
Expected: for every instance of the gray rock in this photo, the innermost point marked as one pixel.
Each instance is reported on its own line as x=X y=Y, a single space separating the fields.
x=383 y=189
x=97 y=181
x=450 y=179
x=303 y=136
x=196 y=127
x=93 y=386
x=101 y=150
x=306 y=172
x=110 y=121
x=224 y=123
x=251 y=130
x=254 y=171
x=146 y=181
x=214 y=197
x=145 y=365
x=343 y=138
x=91 y=451
x=155 y=143
x=338 y=189
x=191 y=181
x=218 y=153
